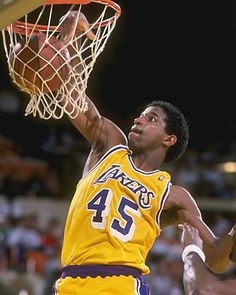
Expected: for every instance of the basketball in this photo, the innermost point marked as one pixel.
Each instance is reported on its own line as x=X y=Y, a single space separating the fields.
x=39 y=65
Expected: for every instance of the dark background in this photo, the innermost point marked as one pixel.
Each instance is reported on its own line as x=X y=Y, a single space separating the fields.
x=182 y=51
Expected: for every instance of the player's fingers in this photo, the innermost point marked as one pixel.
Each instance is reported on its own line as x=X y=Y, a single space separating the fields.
x=83 y=26
x=90 y=35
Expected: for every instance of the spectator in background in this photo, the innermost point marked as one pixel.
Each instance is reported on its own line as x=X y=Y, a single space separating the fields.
x=52 y=236
x=220 y=225
x=23 y=238
x=187 y=173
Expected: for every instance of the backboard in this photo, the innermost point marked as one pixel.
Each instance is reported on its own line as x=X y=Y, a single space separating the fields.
x=12 y=10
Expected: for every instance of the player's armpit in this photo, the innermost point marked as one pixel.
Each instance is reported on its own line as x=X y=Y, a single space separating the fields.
x=170 y=217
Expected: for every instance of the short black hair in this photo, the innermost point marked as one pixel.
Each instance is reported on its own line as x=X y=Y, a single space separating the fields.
x=176 y=124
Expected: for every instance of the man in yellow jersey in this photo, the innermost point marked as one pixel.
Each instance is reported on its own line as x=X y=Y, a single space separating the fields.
x=197 y=277
x=123 y=200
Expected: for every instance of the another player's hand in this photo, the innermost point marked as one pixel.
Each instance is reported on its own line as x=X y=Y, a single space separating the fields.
x=74 y=23
x=190 y=235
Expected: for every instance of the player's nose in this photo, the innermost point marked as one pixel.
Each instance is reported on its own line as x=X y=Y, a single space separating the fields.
x=139 y=120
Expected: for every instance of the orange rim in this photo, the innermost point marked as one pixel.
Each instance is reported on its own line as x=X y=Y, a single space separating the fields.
x=26 y=28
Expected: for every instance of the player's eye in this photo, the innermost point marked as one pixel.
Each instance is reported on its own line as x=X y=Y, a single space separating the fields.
x=149 y=117
x=152 y=119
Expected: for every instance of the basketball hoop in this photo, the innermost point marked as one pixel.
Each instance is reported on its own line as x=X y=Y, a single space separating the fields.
x=49 y=20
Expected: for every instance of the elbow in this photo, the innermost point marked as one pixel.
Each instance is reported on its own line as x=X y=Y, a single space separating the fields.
x=217 y=264
x=217 y=267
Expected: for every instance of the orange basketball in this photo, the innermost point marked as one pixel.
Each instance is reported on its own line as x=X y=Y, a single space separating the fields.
x=39 y=66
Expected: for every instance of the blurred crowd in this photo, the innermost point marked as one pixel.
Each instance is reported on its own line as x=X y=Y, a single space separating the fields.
x=45 y=161
x=30 y=253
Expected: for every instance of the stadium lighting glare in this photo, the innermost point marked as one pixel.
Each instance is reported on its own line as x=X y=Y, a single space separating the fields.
x=228 y=167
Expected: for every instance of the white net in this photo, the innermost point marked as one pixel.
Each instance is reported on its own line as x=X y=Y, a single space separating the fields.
x=75 y=35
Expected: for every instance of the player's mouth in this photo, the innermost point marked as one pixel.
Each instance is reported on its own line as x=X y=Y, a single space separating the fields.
x=135 y=129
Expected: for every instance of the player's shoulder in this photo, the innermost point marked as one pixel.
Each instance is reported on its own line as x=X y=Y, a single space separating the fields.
x=176 y=189
x=179 y=196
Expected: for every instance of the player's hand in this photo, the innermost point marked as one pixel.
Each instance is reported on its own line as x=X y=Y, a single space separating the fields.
x=83 y=26
x=190 y=235
x=74 y=23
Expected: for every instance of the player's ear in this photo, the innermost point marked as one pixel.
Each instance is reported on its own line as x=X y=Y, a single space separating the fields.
x=170 y=140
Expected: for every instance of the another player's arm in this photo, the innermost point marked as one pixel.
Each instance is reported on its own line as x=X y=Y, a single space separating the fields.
x=197 y=278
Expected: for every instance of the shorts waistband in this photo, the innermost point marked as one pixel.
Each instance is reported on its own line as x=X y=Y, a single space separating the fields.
x=95 y=270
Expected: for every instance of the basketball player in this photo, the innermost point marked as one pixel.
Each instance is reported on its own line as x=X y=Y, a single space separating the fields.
x=197 y=278
x=124 y=199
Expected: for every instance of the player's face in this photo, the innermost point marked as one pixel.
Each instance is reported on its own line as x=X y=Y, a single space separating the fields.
x=148 y=131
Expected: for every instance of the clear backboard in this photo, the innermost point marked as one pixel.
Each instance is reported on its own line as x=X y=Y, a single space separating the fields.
x=12 y=10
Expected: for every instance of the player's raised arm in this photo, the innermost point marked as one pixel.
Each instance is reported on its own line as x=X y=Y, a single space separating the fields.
x=99 y=131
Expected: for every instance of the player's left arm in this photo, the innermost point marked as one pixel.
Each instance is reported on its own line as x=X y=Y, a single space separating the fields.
x=180 y=207
x=232 y=233
x=223 y=252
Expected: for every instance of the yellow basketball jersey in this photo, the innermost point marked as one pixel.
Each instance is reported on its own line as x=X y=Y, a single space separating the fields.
x=114 y=214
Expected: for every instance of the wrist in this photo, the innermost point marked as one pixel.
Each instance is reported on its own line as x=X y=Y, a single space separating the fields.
x=193 y=248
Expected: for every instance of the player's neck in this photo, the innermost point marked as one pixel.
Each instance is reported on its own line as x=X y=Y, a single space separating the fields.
x=145 y=163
